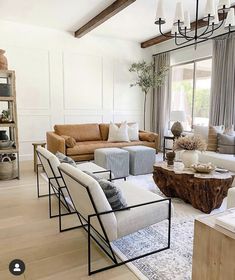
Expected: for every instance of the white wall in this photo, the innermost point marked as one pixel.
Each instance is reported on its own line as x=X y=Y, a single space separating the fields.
x=60 y=79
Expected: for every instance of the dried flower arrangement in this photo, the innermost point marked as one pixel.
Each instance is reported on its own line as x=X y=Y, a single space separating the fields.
x=190 y=143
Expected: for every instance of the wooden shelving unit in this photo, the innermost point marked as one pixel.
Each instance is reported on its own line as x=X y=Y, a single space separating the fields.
x=12 y=127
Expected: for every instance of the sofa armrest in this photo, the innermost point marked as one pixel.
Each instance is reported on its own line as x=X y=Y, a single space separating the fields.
x=55 y=143
x=150 y=137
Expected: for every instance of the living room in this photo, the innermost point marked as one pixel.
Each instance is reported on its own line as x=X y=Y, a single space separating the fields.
x=70 y=83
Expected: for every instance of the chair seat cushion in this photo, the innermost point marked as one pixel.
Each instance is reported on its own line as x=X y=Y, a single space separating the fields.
x=132 y=220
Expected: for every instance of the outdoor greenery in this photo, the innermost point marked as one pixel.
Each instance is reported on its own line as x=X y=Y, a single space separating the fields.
x=147 y=78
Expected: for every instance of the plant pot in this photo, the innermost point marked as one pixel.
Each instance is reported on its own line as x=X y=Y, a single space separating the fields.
x=3 y=135
x=189 y=157
x=3 y=61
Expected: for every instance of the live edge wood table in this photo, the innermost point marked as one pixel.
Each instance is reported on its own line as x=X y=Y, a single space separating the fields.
x=203 y=191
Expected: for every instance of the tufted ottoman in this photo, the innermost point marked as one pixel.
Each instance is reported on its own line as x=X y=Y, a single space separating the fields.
x=114 y=159
x=141 y=159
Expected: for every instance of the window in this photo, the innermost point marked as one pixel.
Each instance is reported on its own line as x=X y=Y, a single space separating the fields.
x=190 y=91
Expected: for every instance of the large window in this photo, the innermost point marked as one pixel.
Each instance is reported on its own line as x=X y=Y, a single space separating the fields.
x=190 y=91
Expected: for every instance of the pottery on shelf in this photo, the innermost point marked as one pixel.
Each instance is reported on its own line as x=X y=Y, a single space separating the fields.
x=189 y=158
x=3 y=135
x=3 y=61
x=6 y=144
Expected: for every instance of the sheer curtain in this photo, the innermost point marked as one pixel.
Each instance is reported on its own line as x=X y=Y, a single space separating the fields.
x=223 y=81
x=161 y=100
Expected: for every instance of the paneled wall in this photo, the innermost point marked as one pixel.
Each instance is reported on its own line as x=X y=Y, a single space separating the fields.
x=60 y=79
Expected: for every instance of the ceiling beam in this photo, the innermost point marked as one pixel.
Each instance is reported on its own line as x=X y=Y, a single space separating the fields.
x=106 y=14
x=160 y=39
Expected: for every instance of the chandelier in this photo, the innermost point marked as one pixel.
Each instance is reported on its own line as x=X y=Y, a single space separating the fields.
x=183 y=31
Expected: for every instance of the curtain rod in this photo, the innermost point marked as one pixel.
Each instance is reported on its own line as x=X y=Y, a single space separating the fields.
x=192 y=44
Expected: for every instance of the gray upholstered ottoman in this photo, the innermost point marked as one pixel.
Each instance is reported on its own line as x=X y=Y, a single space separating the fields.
x=141 y=159
x=115 y=159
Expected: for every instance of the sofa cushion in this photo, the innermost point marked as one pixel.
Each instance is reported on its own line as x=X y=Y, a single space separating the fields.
x=70 y=142
x=89 y=147
x=118 y=133
x=133 y=132
x=212 y=137
x=80 y=132
x=140 y=217
x=149 y=137
x=226 y=144
x=104 y=131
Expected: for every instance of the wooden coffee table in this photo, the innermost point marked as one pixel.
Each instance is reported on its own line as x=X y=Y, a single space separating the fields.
x=203 y=191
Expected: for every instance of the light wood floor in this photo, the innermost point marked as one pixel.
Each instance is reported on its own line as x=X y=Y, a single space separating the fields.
x=27 y=233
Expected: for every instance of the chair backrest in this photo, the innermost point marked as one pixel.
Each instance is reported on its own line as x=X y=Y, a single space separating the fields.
x=88 y=198
x=50 y=165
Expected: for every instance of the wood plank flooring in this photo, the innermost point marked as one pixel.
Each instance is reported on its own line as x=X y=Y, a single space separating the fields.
x=27 y=233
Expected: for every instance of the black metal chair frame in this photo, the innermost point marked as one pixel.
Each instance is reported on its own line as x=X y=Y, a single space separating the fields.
x=87 y=226
x=56 y=192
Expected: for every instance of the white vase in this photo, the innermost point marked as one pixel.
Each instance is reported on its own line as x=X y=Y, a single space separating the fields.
x=189 y=157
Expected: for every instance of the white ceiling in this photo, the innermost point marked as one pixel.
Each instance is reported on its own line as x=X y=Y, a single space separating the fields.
x=136 y=22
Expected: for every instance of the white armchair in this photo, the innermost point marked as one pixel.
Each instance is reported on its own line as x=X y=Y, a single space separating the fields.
x=104 y=224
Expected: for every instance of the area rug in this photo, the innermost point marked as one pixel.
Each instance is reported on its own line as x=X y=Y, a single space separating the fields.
x=172 y=264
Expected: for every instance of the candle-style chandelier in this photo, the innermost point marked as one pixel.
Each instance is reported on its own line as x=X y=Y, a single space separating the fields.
x=214 y=17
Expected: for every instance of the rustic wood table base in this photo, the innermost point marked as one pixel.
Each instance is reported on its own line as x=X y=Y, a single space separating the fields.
x=204 y=193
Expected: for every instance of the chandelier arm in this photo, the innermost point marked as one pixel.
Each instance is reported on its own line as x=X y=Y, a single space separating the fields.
x=186 y=37
x=182 y=43
x=206 y=29
x=160 y=30
x=213 y=30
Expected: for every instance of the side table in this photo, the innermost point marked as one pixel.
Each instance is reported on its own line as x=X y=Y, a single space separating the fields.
x=35 y=158
x=213 y=250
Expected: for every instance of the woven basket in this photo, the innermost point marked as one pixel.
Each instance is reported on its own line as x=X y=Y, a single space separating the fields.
x=8 y=170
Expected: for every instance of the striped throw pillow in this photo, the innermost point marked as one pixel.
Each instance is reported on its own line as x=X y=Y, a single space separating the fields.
x=113 y=195
x=212 y=137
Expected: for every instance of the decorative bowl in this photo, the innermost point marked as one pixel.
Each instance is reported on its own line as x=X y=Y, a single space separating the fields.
x=5 y=144
x=203 y=167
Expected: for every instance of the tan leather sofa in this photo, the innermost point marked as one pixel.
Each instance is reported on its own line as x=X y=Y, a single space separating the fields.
x=88 y=138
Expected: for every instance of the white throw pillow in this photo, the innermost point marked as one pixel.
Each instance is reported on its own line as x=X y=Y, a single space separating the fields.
x=133 y=132
x=201 y=131
x=118 y=134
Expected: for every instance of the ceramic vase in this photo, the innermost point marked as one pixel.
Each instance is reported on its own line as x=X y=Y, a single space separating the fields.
x=3 y=61
x=189 y=157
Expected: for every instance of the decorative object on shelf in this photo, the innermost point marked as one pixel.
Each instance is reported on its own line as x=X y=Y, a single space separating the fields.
x=6 y=144
x=8 y=167
x=182 y=30
x=3 y=135
x=203 y=167
x=5 y=87
x=190 y=145
x=6 y=116
x=170 y=156
x=147 y=78
x=3 y=61
x=177 y=117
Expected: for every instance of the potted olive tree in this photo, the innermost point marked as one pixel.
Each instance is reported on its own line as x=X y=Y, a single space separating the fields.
x=147 y=78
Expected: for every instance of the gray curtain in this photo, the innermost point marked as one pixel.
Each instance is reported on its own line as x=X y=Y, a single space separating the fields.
x=223 y=81
x=161 y=100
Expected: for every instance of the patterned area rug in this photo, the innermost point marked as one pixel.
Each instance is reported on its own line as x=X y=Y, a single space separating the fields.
x=171 y=264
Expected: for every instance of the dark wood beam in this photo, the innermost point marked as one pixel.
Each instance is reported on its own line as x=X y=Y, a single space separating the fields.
x=159 y=39
x=106 y=14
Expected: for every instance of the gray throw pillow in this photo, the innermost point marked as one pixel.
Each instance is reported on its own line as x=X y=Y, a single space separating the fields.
x=92 y=175
x=113 y=195
x=64 y=159
x=226 y=144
